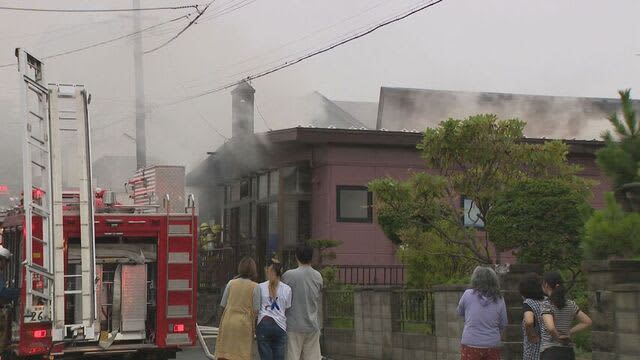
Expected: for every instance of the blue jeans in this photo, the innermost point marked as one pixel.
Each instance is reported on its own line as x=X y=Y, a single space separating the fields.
x=272 y=340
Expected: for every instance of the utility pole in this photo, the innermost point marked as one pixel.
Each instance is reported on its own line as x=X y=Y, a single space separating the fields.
x=141 y=139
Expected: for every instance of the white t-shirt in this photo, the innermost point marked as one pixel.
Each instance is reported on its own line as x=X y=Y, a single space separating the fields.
x=273 y=308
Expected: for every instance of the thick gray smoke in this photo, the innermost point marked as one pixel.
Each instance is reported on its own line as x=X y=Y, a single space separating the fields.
x=546 y=116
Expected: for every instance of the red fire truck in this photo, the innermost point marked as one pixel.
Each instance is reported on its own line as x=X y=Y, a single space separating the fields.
x=96 y=277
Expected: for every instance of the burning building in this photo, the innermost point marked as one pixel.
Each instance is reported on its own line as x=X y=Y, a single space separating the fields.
x=274 y=190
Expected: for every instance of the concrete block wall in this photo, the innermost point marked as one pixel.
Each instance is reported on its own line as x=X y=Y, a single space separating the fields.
x=448 y=324
x=376 y=334
x=626 y=307
x=614 y=291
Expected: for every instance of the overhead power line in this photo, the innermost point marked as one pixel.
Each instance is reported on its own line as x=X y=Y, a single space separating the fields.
x=309 y=55
x=10 y=8
x=200 y=13
x=101 y=43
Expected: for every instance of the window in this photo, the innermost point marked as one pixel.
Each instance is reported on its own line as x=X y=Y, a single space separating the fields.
x=354 y=204
x=471 y=213
x=263 y=186
x=296 y=179
x=245 y=189
x=274 y=183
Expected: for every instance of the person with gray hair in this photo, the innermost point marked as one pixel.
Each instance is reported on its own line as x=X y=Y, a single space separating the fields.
x=485 y=316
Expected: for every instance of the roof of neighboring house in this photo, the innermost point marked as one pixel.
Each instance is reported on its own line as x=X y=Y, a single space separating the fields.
x=343 y=114
x=546 y=116
x=251 y=151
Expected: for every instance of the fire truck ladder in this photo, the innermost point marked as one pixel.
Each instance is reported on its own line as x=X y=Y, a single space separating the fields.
x=36 y=179
x=180 y=230
x=69 y=118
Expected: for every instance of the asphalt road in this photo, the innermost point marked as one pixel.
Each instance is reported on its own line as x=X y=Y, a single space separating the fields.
x=194 y=353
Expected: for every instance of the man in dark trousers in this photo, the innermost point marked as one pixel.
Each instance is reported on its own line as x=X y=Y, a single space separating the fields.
x=6 y=294
x=303 y=317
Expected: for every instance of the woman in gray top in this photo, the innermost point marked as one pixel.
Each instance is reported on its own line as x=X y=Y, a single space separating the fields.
x=558 y=315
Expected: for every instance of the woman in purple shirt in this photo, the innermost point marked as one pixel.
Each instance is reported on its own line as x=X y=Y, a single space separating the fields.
x=485 y=316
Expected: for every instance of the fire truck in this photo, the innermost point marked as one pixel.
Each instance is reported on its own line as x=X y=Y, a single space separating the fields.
x=96 y=277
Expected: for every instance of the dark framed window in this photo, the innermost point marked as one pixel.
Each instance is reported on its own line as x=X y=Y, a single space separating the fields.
x=245 y=189
x=354 y=204
x=470 y=216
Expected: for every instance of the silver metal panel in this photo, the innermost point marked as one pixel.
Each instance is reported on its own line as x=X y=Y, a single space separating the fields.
x=179 y=258
x=134 y=297
x=152 y=184
x=178 y=311
x=178 y=284
x=178 y=339
x=175 y=229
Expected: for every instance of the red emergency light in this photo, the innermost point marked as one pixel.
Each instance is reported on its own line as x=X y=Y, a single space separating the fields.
x=4 y=189
x=40 y=334
x=178 y=328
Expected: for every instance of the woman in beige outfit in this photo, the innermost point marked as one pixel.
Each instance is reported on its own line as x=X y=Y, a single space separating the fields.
x=235 y=336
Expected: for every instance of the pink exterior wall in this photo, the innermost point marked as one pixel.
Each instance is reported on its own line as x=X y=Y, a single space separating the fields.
x=365 y=243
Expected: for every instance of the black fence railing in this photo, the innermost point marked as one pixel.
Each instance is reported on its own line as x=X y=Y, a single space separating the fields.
x=414 y=311
x=338 y=308
x=215 y=268
x=366 y=275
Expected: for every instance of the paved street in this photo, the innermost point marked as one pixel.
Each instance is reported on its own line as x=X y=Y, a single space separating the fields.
x=194 y=353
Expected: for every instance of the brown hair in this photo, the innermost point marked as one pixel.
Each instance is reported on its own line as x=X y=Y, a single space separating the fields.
x=273 y=285
x=247 y=268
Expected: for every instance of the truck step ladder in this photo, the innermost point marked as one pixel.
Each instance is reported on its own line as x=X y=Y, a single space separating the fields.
x=37 y=188
x=72 y=169
x=181 y=265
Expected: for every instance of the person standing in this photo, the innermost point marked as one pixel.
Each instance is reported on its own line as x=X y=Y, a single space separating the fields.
x=532 y=299
x=6 y=293
x=235 y=334
x=485 y=316
x=270 y=300
x=303 y=320
x=558 y=316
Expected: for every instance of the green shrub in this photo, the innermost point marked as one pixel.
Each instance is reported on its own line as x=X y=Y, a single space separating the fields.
x=611 y=232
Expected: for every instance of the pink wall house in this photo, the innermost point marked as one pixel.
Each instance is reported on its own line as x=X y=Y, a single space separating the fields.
x=286 y=186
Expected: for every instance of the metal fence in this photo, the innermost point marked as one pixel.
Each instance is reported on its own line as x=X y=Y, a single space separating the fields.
x=338 y=308
x=414 y=311
x=215 y=268
x=367 y=275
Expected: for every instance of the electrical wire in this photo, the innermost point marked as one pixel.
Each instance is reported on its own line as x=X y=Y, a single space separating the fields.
x=180 y=7
x=307 y=56
x=305 y=51
x=262 y=117
x=200 y=13
x=275 y=49
x=229 y=9
x=107 y=41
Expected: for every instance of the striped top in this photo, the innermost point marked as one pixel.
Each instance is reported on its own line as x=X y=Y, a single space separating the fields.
x=563 y=319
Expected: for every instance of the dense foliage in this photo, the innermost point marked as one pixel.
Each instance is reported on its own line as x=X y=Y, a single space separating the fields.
x=479 y=157
x=612 y=232
x=620 y=158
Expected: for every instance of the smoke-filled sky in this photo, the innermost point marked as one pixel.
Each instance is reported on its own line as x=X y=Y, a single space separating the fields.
x=547 y=47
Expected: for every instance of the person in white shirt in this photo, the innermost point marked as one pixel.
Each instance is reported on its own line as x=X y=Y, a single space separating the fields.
x=270 y=301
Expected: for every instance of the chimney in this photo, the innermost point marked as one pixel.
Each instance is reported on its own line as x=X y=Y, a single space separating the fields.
x=242 y=109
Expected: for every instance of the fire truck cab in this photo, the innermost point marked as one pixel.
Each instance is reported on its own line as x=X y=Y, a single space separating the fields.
x=96 y=277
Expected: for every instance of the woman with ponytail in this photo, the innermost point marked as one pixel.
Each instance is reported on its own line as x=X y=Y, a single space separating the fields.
x=558 y=315
x=270 y=300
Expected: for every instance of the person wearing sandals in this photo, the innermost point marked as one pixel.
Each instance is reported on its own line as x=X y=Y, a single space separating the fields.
x=270 y=301
x=532 y=300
